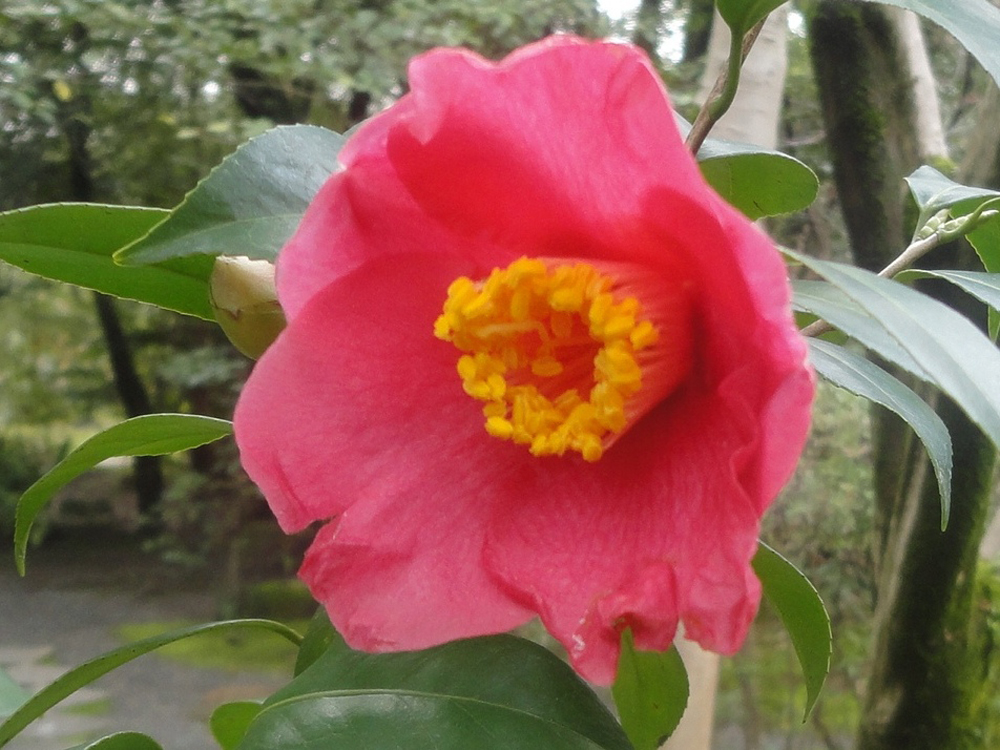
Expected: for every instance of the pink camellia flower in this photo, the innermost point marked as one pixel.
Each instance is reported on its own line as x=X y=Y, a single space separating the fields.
x=534 y=365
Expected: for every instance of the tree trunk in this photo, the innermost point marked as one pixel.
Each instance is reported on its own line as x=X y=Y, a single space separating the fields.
x=921 y=674
x=147 y=473
x=73 y=118
x=647 y=28
x=697 y=29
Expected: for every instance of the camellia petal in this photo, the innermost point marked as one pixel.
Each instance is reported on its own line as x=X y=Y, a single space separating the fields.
x=372 y=433
x=534 y=365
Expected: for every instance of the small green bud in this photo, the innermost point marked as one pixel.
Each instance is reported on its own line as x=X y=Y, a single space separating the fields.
x=933 y=224
x=246 y=303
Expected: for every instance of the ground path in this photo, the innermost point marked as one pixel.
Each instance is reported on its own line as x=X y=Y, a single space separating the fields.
x=68 y=609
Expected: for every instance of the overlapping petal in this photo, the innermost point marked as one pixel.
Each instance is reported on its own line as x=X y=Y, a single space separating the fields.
x=355 y=416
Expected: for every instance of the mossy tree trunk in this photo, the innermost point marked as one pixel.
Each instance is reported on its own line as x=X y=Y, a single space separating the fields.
x=922 y=675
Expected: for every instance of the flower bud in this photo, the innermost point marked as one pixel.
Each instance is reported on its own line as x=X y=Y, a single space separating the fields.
x=246 y=303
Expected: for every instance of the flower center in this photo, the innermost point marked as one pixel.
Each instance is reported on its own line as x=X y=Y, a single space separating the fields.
x=566 y=357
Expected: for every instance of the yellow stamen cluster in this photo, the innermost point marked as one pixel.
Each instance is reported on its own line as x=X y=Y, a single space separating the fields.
x=552 y=352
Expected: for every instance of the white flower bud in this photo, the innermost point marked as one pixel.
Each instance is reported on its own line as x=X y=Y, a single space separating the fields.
x=245 y=301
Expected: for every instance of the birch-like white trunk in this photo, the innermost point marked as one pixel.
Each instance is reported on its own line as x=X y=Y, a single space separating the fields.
x=930 y=130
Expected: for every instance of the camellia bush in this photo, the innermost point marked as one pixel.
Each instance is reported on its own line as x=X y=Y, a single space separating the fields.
x=525 y=355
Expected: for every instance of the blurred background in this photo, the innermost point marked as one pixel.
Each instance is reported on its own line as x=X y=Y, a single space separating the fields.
x=132 y=102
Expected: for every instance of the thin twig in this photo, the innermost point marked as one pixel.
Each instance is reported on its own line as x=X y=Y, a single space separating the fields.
x=723 y=92
x=904 y=260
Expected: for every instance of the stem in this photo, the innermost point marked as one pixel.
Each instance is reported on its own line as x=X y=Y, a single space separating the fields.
x=904 y=260
x=916 y=250
x=724 y=91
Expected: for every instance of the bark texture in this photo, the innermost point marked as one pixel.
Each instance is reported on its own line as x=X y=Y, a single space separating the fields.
x=922 y=673
x=74 y=118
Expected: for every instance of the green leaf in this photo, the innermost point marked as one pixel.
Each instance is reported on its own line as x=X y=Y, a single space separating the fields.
x=248 y=205
x=74 y=243
x=396 y=719
x=741 y=15
x=514 y=688
x=651 y=693
x=86 y=673
x=933 y=191
x=757 y=182
x=983 y=286
x=150 y=435
x=12 y=695
x=975 y=23
x=229 y=722
x=829 y=303
x=863 y=378
x=802 y=612
x=948 y=350
x=986 y=240
x=121 y=741
x=319 y=637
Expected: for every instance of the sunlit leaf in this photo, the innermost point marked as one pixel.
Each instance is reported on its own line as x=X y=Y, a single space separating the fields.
x=86 y=673
x=758 y=182
x=74 y=243
x=248 y=205
x=802 y=612
x=863 y=378
x=149 y=435
x=755 y=180
x=650 y=692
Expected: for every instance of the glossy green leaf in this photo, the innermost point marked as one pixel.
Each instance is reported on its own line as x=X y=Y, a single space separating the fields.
x=986 y=240
x=947 y=348
x=932 y=191
x=149 y=435
x=650 y=692
x=757 y=181
x=863 y=378
x=229 y=722
x=509 y=680
x=802 y=613
x=983 y=286
x=975 y=23
x=121 y=741
x=390 y=720
x=741 y=15
x=12 y=695
x=829 y=303
x=86 y=673
x=74 y=243
x=248 y=205
x=318 y=638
